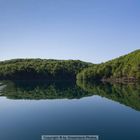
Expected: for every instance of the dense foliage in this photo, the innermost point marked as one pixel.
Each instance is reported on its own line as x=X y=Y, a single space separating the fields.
x=126 y=67
x=21 y=69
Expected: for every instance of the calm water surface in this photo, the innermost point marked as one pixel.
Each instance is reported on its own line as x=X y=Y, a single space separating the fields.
x=31 y=109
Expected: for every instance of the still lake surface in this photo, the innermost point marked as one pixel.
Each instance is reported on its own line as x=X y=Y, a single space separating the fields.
x=31 y=109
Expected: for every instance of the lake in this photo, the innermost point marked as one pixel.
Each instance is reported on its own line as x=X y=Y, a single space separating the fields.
x=29 y=109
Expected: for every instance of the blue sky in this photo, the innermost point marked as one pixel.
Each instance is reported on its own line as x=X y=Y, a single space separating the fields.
x=89 y=30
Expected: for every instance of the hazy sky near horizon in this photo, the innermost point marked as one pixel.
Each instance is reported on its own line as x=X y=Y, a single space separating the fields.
x=89 y=30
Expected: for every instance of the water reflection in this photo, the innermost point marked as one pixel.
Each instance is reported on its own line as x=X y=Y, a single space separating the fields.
x=128 y=95
x=42 y=90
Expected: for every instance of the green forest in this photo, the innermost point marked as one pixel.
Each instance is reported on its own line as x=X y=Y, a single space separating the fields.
x=24 y=69
x=125 y=68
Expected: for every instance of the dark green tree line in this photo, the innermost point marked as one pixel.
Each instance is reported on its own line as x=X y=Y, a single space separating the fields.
x=19 y=69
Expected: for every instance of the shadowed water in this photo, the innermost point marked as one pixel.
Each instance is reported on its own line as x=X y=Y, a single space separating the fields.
x=30 y=109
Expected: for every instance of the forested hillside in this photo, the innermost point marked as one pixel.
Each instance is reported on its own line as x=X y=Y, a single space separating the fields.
x=20 y=69
x=125 y=68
